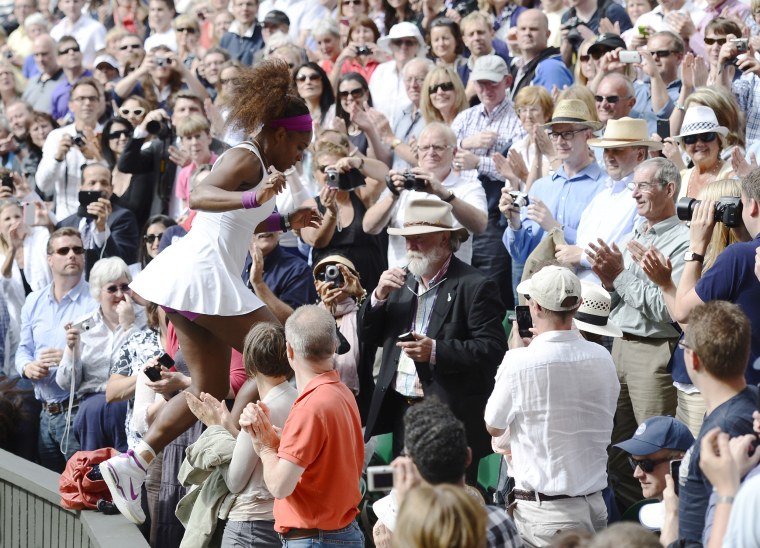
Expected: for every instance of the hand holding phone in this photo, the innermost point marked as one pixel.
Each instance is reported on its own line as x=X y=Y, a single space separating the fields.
x=524 y=321
x=675 y=470
x=407 y=337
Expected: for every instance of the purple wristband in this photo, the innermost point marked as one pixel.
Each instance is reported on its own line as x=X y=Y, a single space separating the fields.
x=249 y=199
x=273 y=222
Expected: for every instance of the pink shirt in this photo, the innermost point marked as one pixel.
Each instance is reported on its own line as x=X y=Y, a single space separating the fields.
x=182 y=188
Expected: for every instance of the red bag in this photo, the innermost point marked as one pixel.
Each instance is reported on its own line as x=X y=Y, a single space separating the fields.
x=78 y=492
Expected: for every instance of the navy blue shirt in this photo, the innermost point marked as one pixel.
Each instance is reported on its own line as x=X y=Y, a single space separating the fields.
x=733 y=417
x=287 y=276
x=242 y=48
x=732 y=278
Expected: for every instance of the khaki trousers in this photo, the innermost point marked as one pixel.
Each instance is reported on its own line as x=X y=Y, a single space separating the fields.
x=691 y=411
x=539 y=522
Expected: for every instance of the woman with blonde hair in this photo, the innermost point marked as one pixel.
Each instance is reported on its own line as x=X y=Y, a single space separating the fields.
x=443 y=96
x=440 y=516
x=10 y=86
x=726 y=109
x=585 y=65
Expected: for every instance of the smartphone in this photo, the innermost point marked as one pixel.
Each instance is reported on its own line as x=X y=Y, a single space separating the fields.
x=380 y=478
x=166 y=360
x=29 y=210
x=663 y=128
x=7 y=180
x=406 y=337
x=153 y=373
x=84 y=325
x=675 y=470
x=629 y=57
x=524 y=321
x=86 y=197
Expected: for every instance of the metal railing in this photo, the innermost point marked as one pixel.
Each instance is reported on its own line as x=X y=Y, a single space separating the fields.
x=31 y=514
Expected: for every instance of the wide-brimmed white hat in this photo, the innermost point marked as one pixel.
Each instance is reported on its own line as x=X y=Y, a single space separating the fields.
x=625 y=132
x=428 y=216
x=700 y=119
x=403 y=30
x=573 y=111
x=550 y=286
x=593 y=315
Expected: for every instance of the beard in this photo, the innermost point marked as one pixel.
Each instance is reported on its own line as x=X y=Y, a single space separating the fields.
x=420 y=264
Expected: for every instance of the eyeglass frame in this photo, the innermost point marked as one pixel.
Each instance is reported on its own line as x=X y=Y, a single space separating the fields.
x=113 y=289
x=617 y=98
x=645 y=186
x=646 y=465
x=438 y=149
x=356 y=93
x=65 y=250
x=555 y=135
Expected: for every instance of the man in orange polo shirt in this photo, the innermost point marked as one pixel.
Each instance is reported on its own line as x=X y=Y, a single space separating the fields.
x=313 y=467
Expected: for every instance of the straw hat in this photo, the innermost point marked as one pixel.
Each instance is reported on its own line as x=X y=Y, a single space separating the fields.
x=573 y=111
x=594 y=312
x=700 y=119
x=427 y=217
x=625 y=132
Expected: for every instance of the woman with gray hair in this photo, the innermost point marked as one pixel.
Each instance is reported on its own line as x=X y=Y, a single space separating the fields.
x=92 y=346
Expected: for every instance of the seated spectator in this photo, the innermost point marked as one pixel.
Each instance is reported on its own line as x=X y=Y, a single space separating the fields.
x=586 y=66
x=222 y=21
x=160 y=16
x=362 y=33
x=436 y=150
x=478 y=36
x=70 y=60
x=8 y=159
x=131 y=53
x=341 y=229
x=243 y=37
x=275 y=21
x=443 y=96
x=585 y=16
x=89 y=33
x=605 y=51
x=18 y=115
x=313 y=85
x=39 y=89
x=194 y=133
x=327 y=37
x=656 y=442
x=19 y=42
x=635 y=9
x=134 y=109
x=446 y=44
x=624 y=535
x=209 y=69
x=188 y=33
x=39 y=126
x=280 y=278
x=129 y=15
x=150 y=239
x=91 y=351
x=227 y=80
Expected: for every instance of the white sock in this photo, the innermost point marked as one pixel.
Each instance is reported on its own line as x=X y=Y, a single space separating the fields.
x=143 y=447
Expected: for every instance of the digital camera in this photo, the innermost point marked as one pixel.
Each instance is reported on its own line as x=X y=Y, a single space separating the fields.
x=411 y=182
x=728 y=210
x=519 y=199
x=332 y=273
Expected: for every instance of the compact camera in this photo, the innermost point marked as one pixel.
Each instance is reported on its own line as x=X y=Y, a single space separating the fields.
x=162 y=61
x=332 y=273
x=380 y=478
x=519 y=199
x=363 y=50
x=79 y=140
x=411 y=182
x=350 y=180
x=728 y=210
x=84 y=325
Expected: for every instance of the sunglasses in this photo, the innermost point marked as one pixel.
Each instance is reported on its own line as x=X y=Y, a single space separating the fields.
x=611 y=99
x=119 y=133
x=661 y=53
x=356 y=93
x=134 y=112
x=401 y=42
x=352 y=2
x=189 y=30
x=131 y=46
x=74 y=49
x=124 y=288
x=585 y=58
x=313 y=77
x=704 y=137
x=647 y=465
x=63 y=251
x=719 y=41
x=443 y=86
x=151 y=238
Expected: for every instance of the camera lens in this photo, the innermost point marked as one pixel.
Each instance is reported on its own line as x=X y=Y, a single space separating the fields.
x=685 y=208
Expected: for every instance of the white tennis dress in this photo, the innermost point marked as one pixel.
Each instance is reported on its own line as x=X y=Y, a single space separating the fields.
x=201 y=273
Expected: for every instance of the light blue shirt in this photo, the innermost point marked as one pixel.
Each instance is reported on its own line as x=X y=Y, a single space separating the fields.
x=42 y=321
x=643 y=107
x=566 y=197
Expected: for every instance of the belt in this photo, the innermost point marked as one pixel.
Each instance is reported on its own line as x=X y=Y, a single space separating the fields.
x=650 y=340
x=58 y=407
x=295 y=534
x=519 y=494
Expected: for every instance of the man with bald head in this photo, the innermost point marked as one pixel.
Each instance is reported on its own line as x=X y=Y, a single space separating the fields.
x=541 y=66
x=614 y=97
x=39 y=90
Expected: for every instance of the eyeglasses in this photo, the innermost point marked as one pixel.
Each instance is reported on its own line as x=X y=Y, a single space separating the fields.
x=313 y=77
x=566 y=135
x=597 y=53
x=63 y=251
x=413 y=80
x=119 y=133
x=134 y=112
x=661 y=53
x=643 y=187
x=86 y=98
x=529 y=110
x=443 y=86
x=611 y=99
x=435 y=148
x=74 y=49
x=130 y=46
x=189 y=30
x=711 y=41
x=124 y=288
x=408 y=42
x=647 y=465
x=704 y=137
x=356 y=93
x=151 y=238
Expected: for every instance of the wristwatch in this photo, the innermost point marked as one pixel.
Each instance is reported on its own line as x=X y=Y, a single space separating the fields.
x=396 y=142
x=691 y=256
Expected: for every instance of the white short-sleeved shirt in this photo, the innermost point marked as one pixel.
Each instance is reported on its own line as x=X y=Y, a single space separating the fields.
x=558 y=398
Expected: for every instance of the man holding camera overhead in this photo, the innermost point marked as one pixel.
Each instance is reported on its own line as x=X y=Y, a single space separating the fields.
x=433 y=177
x=731 y=278
x=642 y=354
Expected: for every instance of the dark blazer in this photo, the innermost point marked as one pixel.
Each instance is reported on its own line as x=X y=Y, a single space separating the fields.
x=123 y=241
x=470 y=345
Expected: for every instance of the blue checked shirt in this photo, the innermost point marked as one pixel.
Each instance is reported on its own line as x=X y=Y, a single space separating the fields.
x=501 y=532
x=747 y=92
x=503 y=120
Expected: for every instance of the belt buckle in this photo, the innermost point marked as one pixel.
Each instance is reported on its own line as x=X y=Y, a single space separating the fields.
x=54 y=408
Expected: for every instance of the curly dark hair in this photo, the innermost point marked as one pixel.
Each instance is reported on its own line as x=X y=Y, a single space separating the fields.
x=263 y=93
x=105 y=146
x=436 y=441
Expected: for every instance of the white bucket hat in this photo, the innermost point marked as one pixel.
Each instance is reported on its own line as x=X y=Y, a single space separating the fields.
x=594 y=312
x=700 y=119
x=403 y=30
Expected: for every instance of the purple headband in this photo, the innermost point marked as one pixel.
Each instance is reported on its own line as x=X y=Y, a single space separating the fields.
x=293 y=123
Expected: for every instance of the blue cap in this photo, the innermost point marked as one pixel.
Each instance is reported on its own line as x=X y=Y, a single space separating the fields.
x=658 y=433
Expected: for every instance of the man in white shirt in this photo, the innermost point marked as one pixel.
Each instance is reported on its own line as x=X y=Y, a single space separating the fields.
x=611 y=214
x=160 y=15
x=436 y=150
x=556 y=393
x=404 y=42
x=90 y=34
x=303 y=16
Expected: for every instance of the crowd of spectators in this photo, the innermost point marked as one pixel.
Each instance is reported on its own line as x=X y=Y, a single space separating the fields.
x=594 y=161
